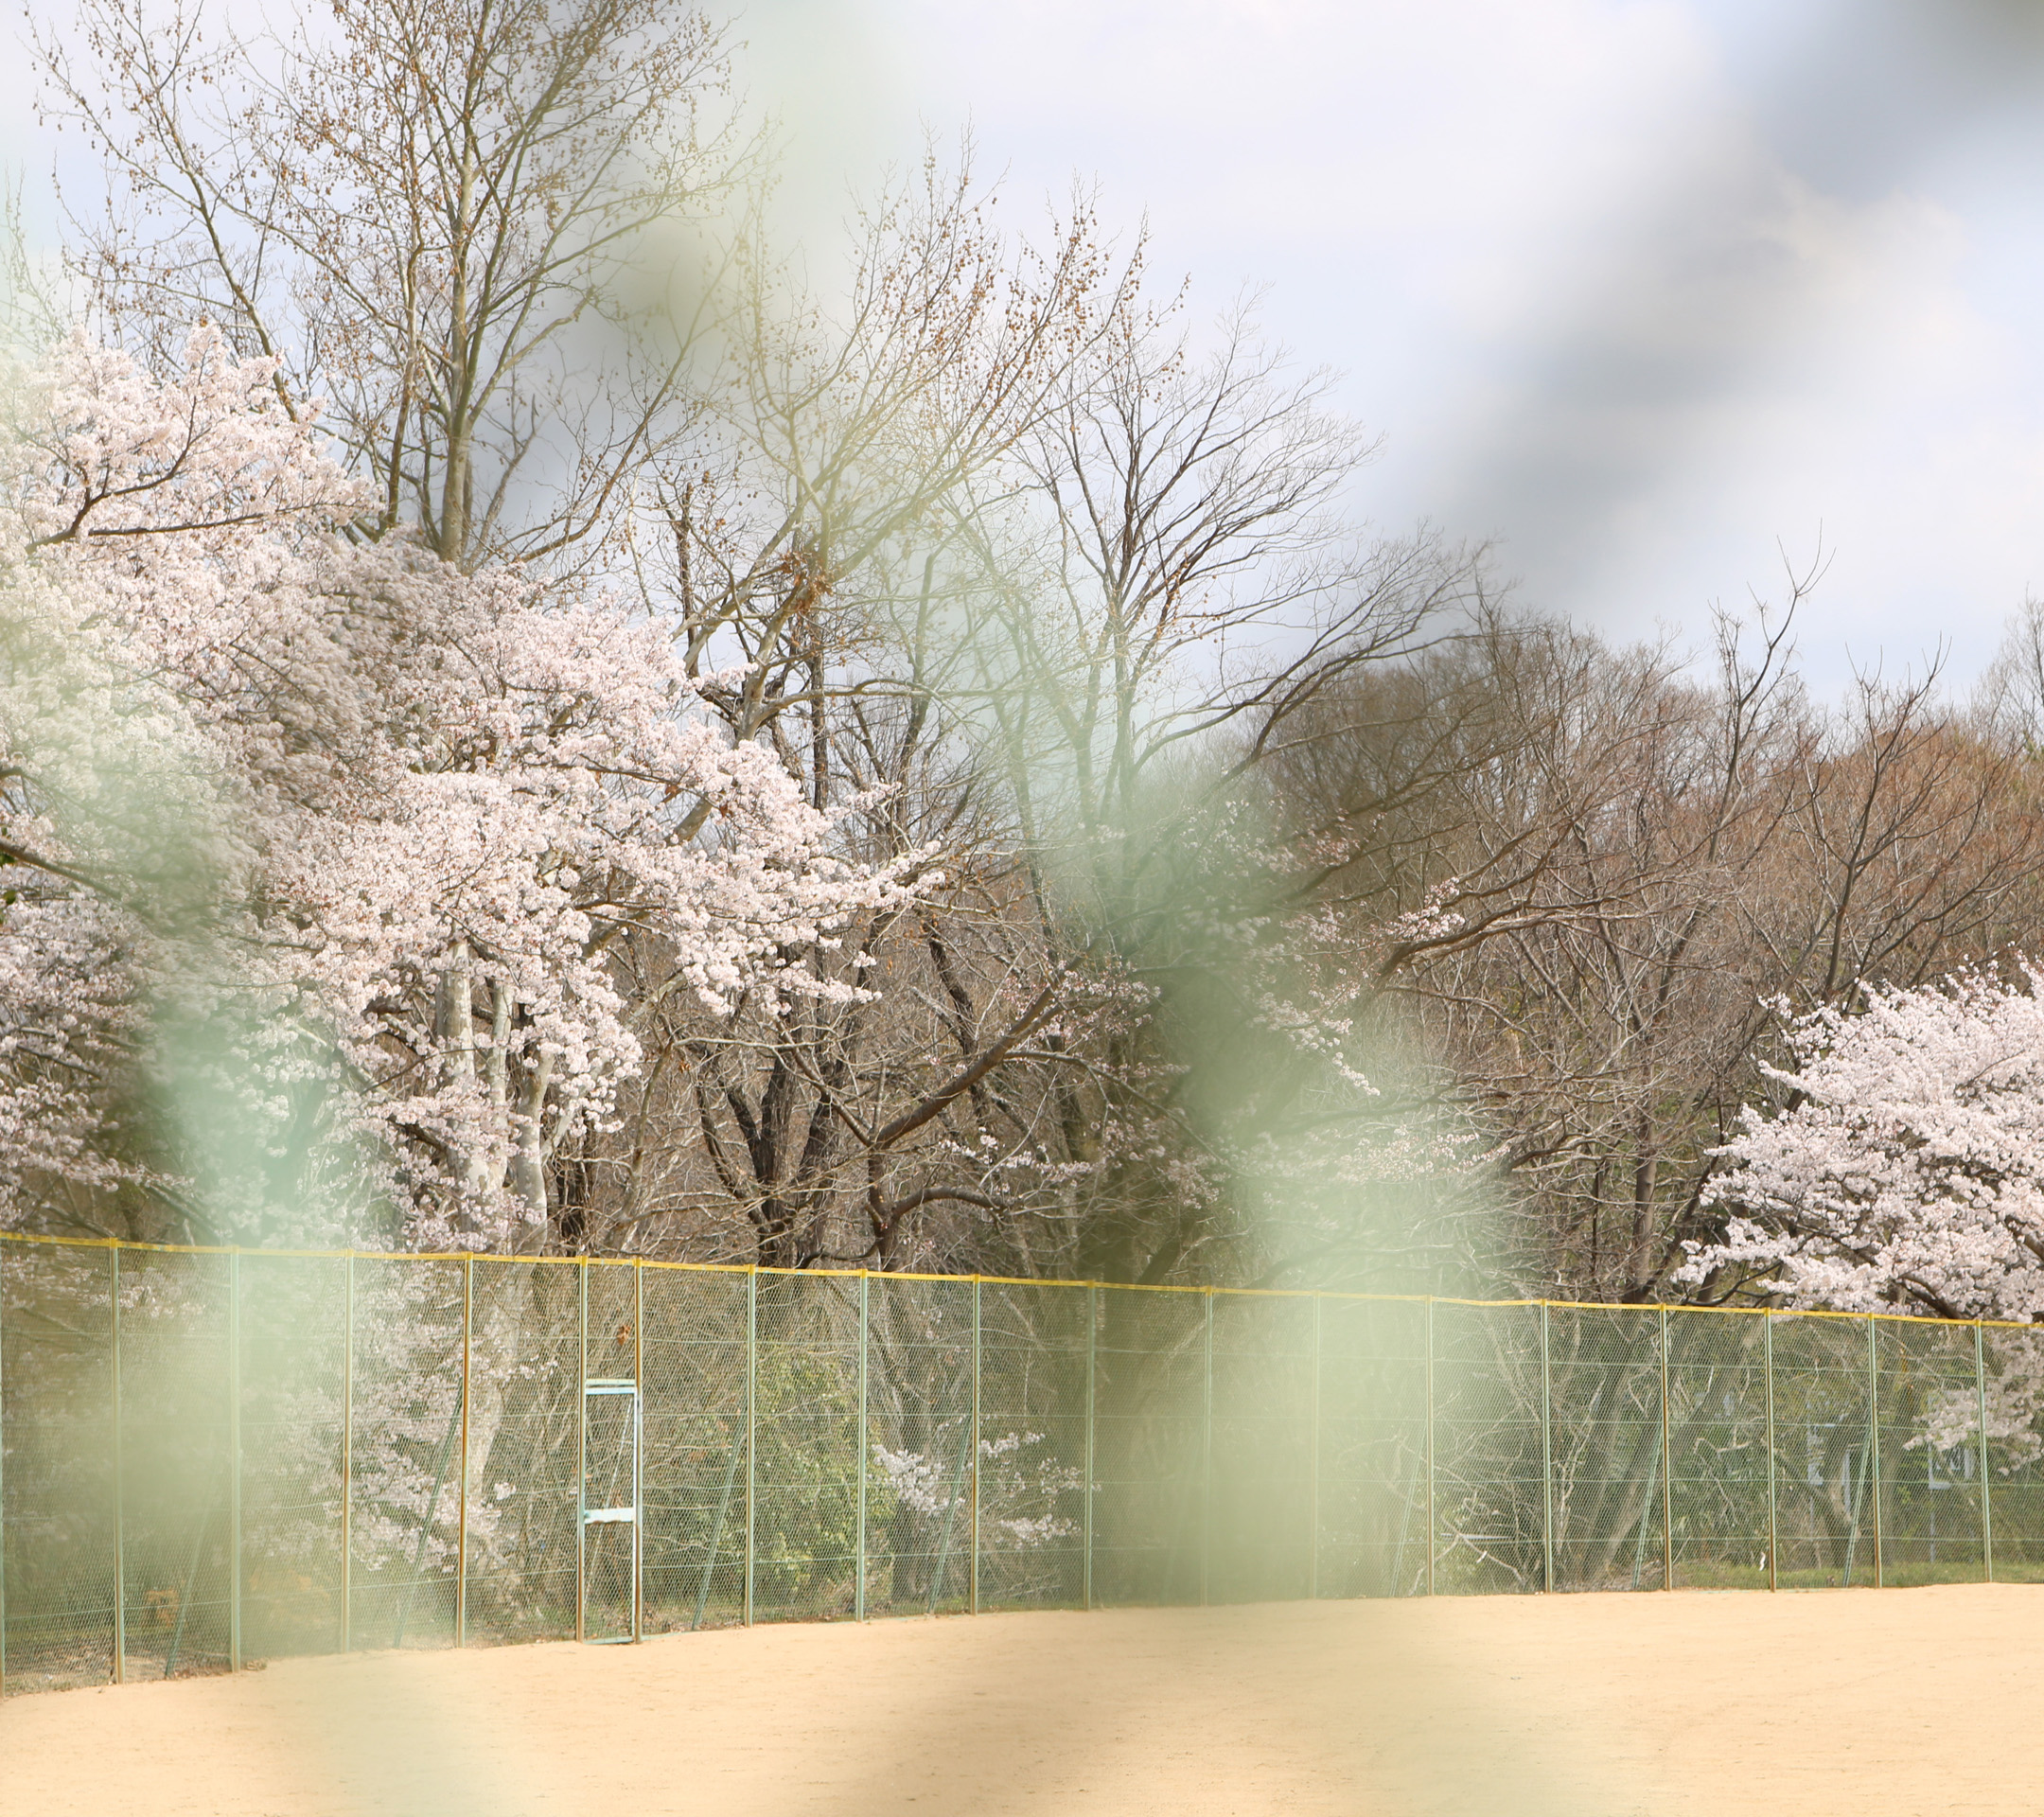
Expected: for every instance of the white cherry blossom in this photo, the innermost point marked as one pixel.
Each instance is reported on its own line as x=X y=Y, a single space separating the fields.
x=373 y=821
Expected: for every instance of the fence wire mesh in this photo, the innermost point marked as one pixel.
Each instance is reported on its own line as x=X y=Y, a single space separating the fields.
x=919 y=1447
x=211 y=1457
x=806 y=1473
x=1823 y=1432
x=1150 y=1482
x=1263 y=1455
x=1376 y=1515
x=517 y=1452
x=693 y=1491
x=175 y=1518
x=1605 y=1442
x=406 y=1530
x=1031 y=1446
x=1930 y=1481
x=289 y=1376
x=1488 y=1431
x=58 y=1473
x=2012 y=1498
x=1716 y=1512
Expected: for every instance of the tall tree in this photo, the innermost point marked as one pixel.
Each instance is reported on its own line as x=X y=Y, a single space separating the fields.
x=462 y=224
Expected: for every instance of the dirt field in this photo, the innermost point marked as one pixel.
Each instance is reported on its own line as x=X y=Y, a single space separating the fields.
x=1896 y=1703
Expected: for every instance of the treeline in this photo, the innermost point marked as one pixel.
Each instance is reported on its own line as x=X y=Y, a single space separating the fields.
x=1162 y=877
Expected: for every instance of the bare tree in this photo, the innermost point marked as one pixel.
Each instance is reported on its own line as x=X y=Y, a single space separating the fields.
x=811 y=560
x=1011 y=557
x=1177 y=593
x=1706 y=849
x=453 y=221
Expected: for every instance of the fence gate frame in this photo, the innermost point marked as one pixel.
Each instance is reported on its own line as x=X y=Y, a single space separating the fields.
x=612 y=1513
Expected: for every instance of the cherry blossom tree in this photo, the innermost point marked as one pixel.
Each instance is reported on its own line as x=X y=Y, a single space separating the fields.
x=1905 y=1166
x=1904 y=1170
x=415 y=806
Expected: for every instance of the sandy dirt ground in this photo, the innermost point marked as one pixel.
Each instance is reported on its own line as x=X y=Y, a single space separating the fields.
x=1889 y=1702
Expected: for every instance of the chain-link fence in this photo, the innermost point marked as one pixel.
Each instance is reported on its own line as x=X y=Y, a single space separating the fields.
x=207 y=1456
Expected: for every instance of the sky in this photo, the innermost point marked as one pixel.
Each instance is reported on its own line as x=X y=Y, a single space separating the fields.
x=1660 y=296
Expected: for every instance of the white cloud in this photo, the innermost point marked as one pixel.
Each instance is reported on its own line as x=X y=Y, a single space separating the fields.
x=1567 y=272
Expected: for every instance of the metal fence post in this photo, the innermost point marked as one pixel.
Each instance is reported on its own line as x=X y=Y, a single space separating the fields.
x=581 y=1448
x=1092 y=1345
x=1312 y=1461
x=1767 y=1372
x=1980 y=1390
x=234 y=1461
x=347 y=1453
x=1206 y=1450
x=865 y=1314
x=461 y=1506
x=120 y=1534
x=1546 y=1450
x=1987 y=1502
x=1668 y=1492
x=751 y=1425
x=1433 y=1531
x=3 y=1472
x=973 y=1606
x=1873 y=1439
x=638 y=1376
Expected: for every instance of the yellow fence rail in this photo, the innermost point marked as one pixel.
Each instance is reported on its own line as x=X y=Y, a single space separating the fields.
x=209 y=1455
